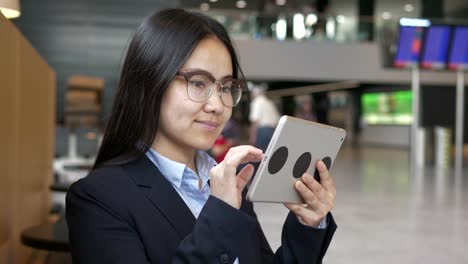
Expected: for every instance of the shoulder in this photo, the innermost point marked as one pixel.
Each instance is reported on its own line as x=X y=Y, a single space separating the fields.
x=107 y=189
x=103 y=184
x=101 y=177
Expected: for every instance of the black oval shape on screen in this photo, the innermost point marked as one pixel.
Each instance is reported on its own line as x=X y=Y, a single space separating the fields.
x=302 y=164
x=327 y=161
x=277 y=160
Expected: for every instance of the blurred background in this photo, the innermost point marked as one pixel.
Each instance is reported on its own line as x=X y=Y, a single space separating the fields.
x=390 y=72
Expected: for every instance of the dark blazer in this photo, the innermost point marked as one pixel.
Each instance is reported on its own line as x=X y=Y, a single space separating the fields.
x=132 y=214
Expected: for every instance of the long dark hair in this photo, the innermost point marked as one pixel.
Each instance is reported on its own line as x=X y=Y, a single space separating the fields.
x=158 y=49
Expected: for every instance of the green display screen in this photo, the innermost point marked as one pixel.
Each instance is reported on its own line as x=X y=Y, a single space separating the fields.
x=389 y=108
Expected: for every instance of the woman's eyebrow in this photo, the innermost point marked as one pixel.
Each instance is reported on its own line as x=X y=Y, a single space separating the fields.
x=207 y=72
x=226 y=76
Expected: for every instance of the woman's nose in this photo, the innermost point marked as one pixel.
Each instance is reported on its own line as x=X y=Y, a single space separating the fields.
x=215 y=102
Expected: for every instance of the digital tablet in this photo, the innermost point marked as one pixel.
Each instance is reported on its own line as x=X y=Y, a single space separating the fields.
x=295 y=147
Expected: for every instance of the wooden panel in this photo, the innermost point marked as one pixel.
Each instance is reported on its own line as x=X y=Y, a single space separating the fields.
x=37 y=120
x=4 y=252
x=37 y=93
x=8 y=138
x=27 y=107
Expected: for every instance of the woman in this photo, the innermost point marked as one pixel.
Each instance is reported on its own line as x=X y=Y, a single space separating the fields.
x=154 y=195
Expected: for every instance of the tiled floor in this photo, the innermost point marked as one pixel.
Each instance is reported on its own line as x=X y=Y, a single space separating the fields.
x=387 y=214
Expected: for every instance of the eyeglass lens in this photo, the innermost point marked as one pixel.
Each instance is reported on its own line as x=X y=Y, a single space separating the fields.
x=200 y=88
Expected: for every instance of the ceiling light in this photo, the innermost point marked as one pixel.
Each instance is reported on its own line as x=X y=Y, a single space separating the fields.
x=280 y=2
x=310 y=20
x=281 y=27
x=221 y=19
x=205 y=7
x=241 y=4
x=298 y=26
x=386 y=15
x=10 y=8
x=330 y=28
x=409 y=8
x=213 y=1
x=340 y=19
x=414 y=22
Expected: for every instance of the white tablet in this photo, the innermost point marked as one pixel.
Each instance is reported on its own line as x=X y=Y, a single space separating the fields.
x=295 y=147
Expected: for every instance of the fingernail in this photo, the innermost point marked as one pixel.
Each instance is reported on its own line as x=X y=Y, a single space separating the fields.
x=299 y=184
x=321 y=165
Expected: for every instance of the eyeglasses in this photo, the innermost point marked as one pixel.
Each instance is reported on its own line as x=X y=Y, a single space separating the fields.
x=200 y=86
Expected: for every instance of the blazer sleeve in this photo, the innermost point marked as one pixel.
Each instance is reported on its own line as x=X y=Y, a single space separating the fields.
x=303 y=244
x=299 y=243
x=219 y=235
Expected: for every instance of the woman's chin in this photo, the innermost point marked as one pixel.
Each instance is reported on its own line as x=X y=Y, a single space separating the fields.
x=205 y=145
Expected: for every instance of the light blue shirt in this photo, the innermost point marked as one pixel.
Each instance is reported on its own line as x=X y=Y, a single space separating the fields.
x=185 y=180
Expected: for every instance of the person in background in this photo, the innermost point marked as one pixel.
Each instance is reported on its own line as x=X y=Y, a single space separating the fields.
x=226 y=140
x=154 y=194
x=322 y=106
x=304 y=108
x=322 y=10
x=263 y=117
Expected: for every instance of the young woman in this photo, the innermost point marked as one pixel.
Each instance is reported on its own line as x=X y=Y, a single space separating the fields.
x=154 y=195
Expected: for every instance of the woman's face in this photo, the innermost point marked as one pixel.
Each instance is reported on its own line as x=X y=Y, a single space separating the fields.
x=185 y=124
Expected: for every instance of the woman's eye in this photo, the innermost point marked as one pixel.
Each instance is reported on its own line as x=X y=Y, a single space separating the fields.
x=198 y=84
x=226 y=89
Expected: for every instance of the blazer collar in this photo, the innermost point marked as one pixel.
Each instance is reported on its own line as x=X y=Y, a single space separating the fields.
x=161 y=194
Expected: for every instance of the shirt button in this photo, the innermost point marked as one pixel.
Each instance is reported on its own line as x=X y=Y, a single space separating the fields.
x=224 y=258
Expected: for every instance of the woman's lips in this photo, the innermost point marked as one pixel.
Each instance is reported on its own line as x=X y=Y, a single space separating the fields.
x=208 y=125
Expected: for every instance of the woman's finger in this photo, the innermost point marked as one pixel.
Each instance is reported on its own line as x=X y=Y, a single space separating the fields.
x=242 y=154
x=326 y=179
x=307 y=195
x=244 y=176
x=321 y=205
x=315 y=187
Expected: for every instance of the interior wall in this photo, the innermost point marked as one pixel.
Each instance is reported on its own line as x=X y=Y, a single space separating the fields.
x=87 y=37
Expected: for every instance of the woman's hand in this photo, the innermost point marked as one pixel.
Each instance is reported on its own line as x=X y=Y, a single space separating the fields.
x=224 y=183
x=319 y=197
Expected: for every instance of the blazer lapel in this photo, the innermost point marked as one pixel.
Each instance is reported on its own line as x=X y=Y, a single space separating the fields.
x=162 y=194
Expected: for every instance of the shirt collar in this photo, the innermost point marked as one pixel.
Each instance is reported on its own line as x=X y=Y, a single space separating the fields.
x=174 y=171
x=204 y=164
